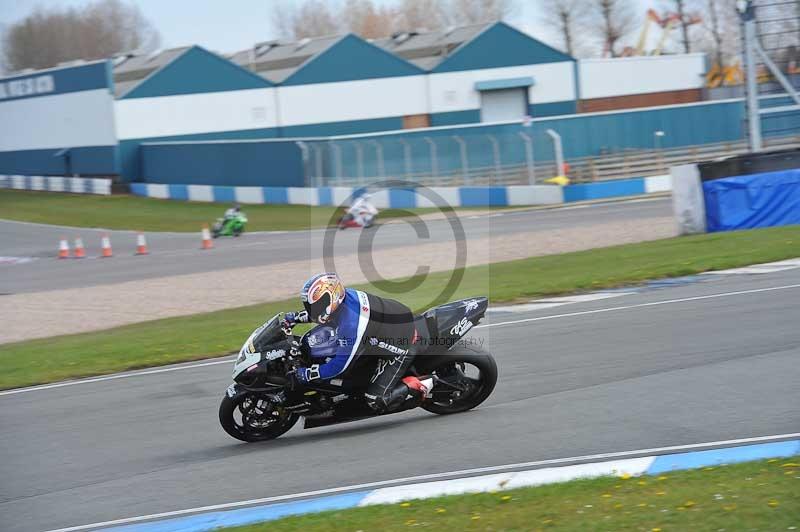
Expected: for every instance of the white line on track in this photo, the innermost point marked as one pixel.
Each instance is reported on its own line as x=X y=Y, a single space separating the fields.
x=499 y=324
x=113 y=377
x=434 y=476
x=639 y=305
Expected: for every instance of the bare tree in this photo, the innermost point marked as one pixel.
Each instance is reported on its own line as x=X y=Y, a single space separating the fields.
x=462 y=12
x=421 y=14
x=312 y=18
x=565 y=16
x=48 y=37
x=368 y=20
x=612 y=20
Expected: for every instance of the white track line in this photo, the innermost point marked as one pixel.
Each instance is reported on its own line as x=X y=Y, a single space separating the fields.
x=500 y=324
x=640 y=305
x=433 y=476
x=112 y=377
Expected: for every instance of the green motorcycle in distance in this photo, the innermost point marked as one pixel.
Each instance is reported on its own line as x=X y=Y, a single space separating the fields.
x=230 y=226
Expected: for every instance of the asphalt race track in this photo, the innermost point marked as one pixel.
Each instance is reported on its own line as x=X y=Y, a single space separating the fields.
x=689 y=369
x=179 y=253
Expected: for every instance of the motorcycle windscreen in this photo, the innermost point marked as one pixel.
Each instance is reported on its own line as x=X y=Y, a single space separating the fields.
x=266 y=335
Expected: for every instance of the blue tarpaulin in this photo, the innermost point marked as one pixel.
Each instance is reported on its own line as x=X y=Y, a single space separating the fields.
x=749 y=201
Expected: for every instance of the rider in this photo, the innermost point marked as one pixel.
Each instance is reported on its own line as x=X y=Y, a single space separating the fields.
x=363 y=211
x=352 y=322
x=233 y=212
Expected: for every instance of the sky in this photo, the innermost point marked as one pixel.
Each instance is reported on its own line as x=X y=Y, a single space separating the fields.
x=231 y=25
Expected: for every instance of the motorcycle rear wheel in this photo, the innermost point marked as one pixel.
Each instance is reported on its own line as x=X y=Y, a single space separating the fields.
x=238 y=419
x=452 y=365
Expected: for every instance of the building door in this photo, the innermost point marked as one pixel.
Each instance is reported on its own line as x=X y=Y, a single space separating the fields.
x=504 y=104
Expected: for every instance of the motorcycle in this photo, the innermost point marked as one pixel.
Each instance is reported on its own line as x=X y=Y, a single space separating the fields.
x=258 y=406
x=233 y=226
x=349 y=220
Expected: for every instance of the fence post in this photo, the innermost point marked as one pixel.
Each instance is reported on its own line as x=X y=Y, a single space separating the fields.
x=304 y=151
x=406 y=157
x=496 y=154
x=558 y=150
x=337 y=150
x=379 y=156
x=434 y=161
x=529 y=157
x=464 y=163
x=359 y=161
x=317 y=149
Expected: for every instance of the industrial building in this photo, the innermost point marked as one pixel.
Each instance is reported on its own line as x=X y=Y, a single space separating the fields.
x=96 y=116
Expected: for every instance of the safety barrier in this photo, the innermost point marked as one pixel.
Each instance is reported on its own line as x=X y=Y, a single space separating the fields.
x=404 y=198
x=75 y=185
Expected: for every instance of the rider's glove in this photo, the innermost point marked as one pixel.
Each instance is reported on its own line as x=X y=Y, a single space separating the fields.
x=290 y=319
x=303 y=375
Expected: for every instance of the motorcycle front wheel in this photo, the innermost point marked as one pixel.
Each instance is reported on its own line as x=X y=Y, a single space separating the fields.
x=251 y=418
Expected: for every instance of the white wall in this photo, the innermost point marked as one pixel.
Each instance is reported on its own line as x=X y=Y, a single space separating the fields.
x=75 y=119
x=195 y=113
x=601 y=78
x=352 y=100
x=455 y=91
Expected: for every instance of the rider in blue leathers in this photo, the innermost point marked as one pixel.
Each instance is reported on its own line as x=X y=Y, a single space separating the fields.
x=353 y=323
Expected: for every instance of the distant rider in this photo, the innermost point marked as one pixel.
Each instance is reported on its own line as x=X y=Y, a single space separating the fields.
x=352 y=323
x=363 y=211
x=233 y=212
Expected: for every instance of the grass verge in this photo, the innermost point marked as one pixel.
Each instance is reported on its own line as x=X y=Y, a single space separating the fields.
x=763 y=495
x=199 y=336
x=151 y=214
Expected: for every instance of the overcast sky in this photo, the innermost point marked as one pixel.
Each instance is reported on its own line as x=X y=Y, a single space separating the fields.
x=231 y=25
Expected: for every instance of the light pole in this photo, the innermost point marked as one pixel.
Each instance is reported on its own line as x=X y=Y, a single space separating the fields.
x=657 y=135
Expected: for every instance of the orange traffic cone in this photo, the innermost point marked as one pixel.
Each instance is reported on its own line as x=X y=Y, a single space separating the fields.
x=207 y=244
x=105 y=243
x=63 y=249
x=141 y=244
x=80 y=252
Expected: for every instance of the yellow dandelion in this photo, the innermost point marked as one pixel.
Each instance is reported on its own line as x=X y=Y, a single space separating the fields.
x=642 y=483
x=791 y=464
x=689 y=504
x=411 y=522
x=661 y=493
x=625 y=476
x=709 y=468
x=772 y=504
x=663 y=477
x=642 y=504
x=656 y=530
x=405 y=504
x=618 y=505
x=475 y=517
x=440 y=510
x=505 y=498
x=772 y=460
x=729 y=507
x=606 y=495
x=547 y=521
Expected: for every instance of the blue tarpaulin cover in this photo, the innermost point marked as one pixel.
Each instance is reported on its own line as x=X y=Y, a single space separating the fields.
x=749 y=201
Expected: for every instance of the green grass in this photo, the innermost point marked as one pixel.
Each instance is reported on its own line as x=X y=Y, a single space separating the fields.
x=150 y=214
x=763 y=495
x=203 y=335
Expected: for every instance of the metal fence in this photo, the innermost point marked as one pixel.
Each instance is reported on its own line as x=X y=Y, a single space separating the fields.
x=461 y=160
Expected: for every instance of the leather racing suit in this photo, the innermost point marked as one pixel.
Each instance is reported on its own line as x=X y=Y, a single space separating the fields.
x=366 y=324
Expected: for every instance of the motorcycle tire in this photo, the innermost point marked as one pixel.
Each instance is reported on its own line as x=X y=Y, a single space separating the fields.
x=463 y=354
x=227 y=409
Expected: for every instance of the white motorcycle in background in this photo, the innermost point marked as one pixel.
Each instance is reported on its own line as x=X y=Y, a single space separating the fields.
x=361 y=213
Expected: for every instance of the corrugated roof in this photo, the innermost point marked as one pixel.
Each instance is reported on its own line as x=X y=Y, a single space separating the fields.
x=129 y=69
x=426 y=49
x=277 y=60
